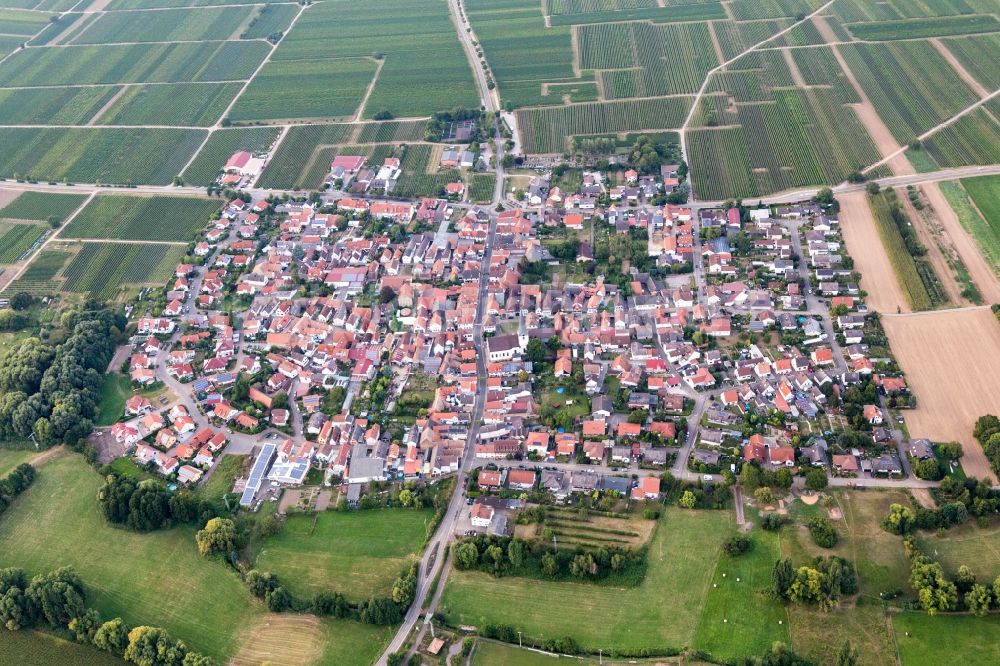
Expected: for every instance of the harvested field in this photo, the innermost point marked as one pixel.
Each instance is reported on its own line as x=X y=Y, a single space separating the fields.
x=282 y=639
x=870 y=258
x=956 y=382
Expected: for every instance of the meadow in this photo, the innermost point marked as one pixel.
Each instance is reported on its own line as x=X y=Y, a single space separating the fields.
x=673 y=607
x=220 y=147
x=116 y=388
x=134 y=63
x=156 y=218
x=168 y=25
x=42 y=206
x=297 y=89
x=11 y=458
x=358 y=554
x=190 y=104
x=983 y=221
x=101 y=269
x=966 y=544
x=156 y=578
x=931 y=641
x=424 y=67
x=111 y=155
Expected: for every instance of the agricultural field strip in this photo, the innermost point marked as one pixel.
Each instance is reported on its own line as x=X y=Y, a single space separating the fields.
x=48 y=240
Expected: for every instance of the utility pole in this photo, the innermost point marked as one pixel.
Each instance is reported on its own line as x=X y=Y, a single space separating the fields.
x=519 y=639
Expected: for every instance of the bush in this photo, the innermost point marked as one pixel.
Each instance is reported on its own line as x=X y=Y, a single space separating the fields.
x=822 y=532
x=736 y=545
x=773 y=521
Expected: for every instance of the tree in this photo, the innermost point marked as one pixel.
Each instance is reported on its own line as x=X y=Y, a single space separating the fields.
x=386 y=295
x=964 y=578
x=848 y=655
x=279 y=400
x=551 y=566
x=219 y=536
x=195 y=659
x=57 y=597
x=278 y=600
x=152 y=646
x=112 y=636
x=583 y=565
x=927 y=469
x=950 y=450
x=978 y=599
x=466 y=555
x=260 y=584
x=934 y=591
x=822 y=532
x=783 y=478
x=899 y=521
x=536 y=351
x=782 y=576
x=824 y=196
x=331 y=603
x=406 y=497
x=763 y=496
x=515 y=553
x=85 y=625
x=737 y=544
x=872 y=188
x=750 y=476
x=22 y=300
x=688 y=500
x=816 y=479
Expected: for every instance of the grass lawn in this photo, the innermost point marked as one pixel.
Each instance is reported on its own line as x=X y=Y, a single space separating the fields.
x=127 y=467
x=223 y=477
x=579 y=409
x=115 y=390
x=662 y=613
x=9 y=459
x=966 y=544
x=964 y=639
x=39 y=648
x=358 y=553
x=156 y=578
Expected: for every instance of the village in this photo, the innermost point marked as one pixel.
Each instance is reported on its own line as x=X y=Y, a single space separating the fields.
x=563 y=343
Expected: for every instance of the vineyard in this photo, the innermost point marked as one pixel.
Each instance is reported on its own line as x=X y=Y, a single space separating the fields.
x=978 y=55
x=699 y=11
x=133 y=63
x=284 y=170
x=221 y=145
x=545 y=130
x=481 y=187
x=392 y=131
x=168 y=25
x=16 y=239
x=53 y=106
x=902 y=261
x=39 y=278
x=920 y=28
x=748 y=10
x=721 y=159
x=911 y=85
x=972 y=139
x=416 y=181
x=819 y=68
x=191 y=104
x=160 y=218
x=104 y=155
x=306 y=89
x=42 y=206
x=424 y=67
x=272 y=19
x=14 y=22
x=101 y=269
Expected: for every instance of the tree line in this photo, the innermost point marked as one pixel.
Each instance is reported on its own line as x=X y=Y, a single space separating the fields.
x=14 y=484
x=147 y=505
x=58 y=600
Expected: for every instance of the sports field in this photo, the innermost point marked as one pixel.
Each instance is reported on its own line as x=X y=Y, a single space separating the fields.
x=358 y=554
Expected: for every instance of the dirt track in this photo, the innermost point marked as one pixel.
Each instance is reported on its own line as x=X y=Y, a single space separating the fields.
x=952 y=361
x=870 y=259
x=965 y=245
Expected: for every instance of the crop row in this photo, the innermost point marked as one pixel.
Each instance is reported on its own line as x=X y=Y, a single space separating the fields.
x=116 y=155
x=221 y=145
x=272 y=19
x=392 y=131
x=481 y=187
x=311 y=89
x=928 y=27
x=972 y=139
x=17 y=239
x=700 y=11
x=979 y=56
x=900 y=258
x=100 y=269
x=189 y=104
x=424 y=67
x=42 y=206
x=39 y=277
x=169 y=25
x=748 y=10
x=554 y=7
x=285 y=168
x=133 y=63
x=911 y=85
x=819 y=68
x=15 y=22
x=52 y=106
x=158 y=218
x=545 y=130
x=416 y=181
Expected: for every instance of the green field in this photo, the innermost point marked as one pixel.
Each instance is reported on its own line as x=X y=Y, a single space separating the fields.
x=14 y=22
x=16 y=239
x=930 y=641
x=156 y=578
x=966 y=544
x=38 y=278
x=296 y=89
x=39 y=648
x=133 y=63
x=358 y=554
x=169 y=25
x=220 y=147
x=673 y=607
x=101 y=269
x=11 y=458
x=114 y=155
x=115 y=390
x=424 y=67
x=192 y=104
x=157 y=218
x=53 y=106
x=42 y=206
x=983 y=224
